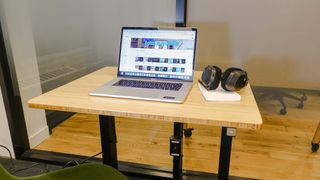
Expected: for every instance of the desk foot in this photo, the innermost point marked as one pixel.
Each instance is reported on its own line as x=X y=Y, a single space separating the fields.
x=108 y=140
x=188 y=132
x=314 y=147
x=225 y=152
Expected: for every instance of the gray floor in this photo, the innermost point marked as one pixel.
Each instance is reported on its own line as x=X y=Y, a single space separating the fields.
x=27 y=168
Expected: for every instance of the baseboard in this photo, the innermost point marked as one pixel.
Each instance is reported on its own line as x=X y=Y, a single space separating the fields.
x=38 y=137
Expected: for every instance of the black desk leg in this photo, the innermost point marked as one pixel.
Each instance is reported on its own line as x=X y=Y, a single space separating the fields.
x=225 y=152
x=176 y=150
x=108 y=140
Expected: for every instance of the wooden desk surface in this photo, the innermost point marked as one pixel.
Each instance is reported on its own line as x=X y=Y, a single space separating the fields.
x=74 y=97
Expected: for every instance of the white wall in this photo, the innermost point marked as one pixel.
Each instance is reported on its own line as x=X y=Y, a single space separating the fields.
x=17 y=25
x=5 y=137
x=277 y=41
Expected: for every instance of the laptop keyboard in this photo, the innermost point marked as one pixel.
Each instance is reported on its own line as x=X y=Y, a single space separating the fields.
x=149 y=84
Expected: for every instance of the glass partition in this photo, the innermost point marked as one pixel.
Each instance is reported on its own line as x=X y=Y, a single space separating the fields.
x=277 y=43
x=51 y=43
x=73 y=37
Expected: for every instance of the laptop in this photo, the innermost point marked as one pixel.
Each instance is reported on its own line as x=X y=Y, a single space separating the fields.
x=155 y=64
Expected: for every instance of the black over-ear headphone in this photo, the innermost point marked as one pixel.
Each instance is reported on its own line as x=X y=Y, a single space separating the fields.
x=232 y=79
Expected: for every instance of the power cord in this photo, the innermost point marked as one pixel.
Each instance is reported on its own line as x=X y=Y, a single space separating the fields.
x=69 y=162
x=81 y=162
x=13 y=170
x=26 y=168
x=88 y=158
x=11 y=159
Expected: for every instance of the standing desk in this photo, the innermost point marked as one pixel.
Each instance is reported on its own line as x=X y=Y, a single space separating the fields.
x=74 y=97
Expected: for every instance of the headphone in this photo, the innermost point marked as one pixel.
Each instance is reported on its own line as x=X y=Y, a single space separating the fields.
x=232 y=79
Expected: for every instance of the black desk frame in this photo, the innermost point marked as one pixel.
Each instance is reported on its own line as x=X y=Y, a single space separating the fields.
x=109 y=147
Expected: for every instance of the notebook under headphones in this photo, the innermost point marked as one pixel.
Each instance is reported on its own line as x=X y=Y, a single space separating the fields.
x=154 y=64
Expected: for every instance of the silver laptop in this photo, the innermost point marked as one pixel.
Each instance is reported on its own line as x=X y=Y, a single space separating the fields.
x=154 y=64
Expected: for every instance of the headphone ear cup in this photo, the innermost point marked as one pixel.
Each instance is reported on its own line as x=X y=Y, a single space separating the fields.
x=215 y=77
x=234 y=79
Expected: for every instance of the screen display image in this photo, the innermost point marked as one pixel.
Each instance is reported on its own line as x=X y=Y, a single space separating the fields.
x=158 y=53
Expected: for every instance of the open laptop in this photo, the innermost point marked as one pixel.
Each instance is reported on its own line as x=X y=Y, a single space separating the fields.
x=154 y=64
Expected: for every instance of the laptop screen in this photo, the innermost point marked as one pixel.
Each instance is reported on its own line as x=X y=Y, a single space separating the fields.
x=157 y=53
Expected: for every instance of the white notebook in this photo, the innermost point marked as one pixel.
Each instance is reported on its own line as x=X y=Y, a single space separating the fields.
x=219 y=94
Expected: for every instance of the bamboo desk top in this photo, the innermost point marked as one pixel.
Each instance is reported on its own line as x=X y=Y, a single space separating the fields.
x=74 y=97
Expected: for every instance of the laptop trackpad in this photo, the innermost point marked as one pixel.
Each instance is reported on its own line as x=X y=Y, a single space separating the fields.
x=135 y=92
